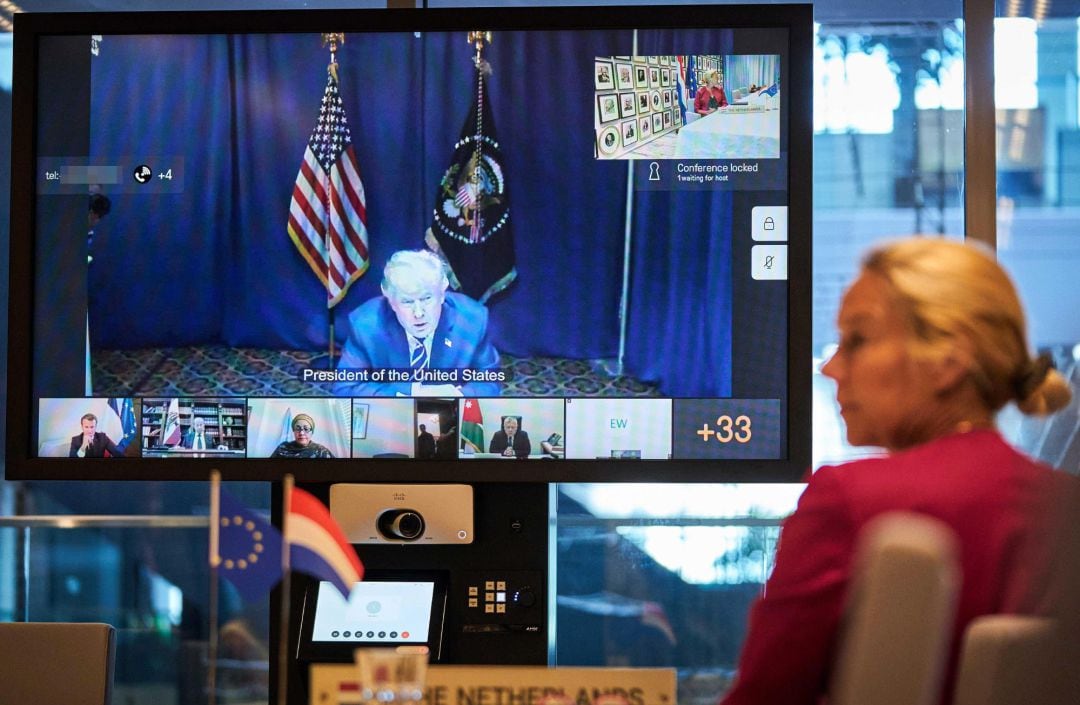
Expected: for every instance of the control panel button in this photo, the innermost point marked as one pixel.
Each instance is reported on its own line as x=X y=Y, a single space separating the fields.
x=768 y=223
x=768 y=262
x=524 y=597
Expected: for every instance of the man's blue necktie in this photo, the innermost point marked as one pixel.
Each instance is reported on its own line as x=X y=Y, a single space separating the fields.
x=419 y=357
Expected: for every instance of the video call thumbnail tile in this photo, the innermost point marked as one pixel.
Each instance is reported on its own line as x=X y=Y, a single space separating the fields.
x=621 y=429
x=722 y=429
x=382 y=428
x=89 y=428
x=178 y=427
x=436 y=429
x=503 y=428
x=299 y=428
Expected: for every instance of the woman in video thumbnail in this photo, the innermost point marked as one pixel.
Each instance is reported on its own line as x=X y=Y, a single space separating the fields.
x=710 y=97
x=302 y=446
x=933 y=343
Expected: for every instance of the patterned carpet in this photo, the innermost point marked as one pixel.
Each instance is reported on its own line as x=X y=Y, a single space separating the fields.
x=210 y=371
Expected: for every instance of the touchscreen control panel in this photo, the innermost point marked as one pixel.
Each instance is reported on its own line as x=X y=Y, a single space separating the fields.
x=502 y=601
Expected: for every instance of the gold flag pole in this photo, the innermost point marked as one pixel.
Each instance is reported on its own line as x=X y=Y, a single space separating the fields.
x=332 y=39
x=478 y=38
x=286 y=580
x=215 y=563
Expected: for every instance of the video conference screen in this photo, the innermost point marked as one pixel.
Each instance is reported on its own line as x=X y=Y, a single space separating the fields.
x=375 y=612
x=388 y=608
x=577 y=238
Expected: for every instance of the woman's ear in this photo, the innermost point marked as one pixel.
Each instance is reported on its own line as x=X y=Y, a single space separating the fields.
x=950 y=370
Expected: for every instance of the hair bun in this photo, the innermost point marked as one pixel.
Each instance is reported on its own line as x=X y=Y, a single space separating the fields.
x=1032 y=375
x=1040 y=389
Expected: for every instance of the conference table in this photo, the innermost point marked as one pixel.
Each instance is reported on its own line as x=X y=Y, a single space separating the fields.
x=734 y=132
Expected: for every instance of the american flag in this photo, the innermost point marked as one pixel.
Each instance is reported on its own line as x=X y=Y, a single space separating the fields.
x=328 y=214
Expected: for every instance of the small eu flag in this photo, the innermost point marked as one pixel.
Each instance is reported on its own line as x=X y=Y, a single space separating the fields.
x=125 y=411
x=249 y=549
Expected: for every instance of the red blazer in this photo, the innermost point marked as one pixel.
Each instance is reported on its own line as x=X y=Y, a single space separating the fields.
x=994 y=498
x=701 y=100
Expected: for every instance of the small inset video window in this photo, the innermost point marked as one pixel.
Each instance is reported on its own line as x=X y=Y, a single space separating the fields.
x=509 y=429
x=435 y=429
x=699 y=106
x=299 y=428
x=620 y=429
x=382 y=428
x=89 y=428
x=199 y=427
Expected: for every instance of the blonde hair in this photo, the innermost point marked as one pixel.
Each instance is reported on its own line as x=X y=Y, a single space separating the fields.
x=956 y=293
x=713 y=77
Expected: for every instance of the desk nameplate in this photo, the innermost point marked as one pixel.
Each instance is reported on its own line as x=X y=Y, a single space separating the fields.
x=335 y=684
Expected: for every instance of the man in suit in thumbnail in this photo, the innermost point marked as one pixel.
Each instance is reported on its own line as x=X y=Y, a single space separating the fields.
x=425 y=444
x=417 y=325
x=91 y=443
x=197 y=438
x=511 y=441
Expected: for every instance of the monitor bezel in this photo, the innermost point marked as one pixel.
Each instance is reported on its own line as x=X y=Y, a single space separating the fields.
x=22 y=463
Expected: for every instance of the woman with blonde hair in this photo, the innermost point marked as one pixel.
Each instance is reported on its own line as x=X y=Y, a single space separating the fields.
x=710 y=97
x=933 y=343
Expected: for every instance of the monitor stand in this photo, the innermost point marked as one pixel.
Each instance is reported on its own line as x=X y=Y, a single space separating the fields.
x=497 y=593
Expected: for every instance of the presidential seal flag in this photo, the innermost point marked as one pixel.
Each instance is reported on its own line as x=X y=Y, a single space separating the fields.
x=328 y=212
x=470 y=227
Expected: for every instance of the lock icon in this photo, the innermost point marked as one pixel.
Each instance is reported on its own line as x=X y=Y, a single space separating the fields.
x=770 y=224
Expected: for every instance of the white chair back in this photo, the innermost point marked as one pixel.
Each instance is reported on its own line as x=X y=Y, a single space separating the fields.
x=899 y=615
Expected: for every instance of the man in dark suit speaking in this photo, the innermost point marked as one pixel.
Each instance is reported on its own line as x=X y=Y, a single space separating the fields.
x=416 y=326
x=511 y=441
x=92 y=443
x=197 y=438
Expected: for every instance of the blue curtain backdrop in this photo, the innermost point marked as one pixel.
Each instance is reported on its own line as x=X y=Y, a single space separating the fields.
x=214 y=263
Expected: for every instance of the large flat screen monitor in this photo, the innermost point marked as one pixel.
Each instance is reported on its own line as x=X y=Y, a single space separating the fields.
x=550 y=244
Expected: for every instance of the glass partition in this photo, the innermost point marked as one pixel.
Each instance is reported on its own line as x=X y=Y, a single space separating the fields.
x=149 y=578
x=1038 y=191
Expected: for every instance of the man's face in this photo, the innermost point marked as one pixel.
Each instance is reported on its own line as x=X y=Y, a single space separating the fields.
x=417 y=310
x=88 y=427
x=198 y=425
x=510 y=426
